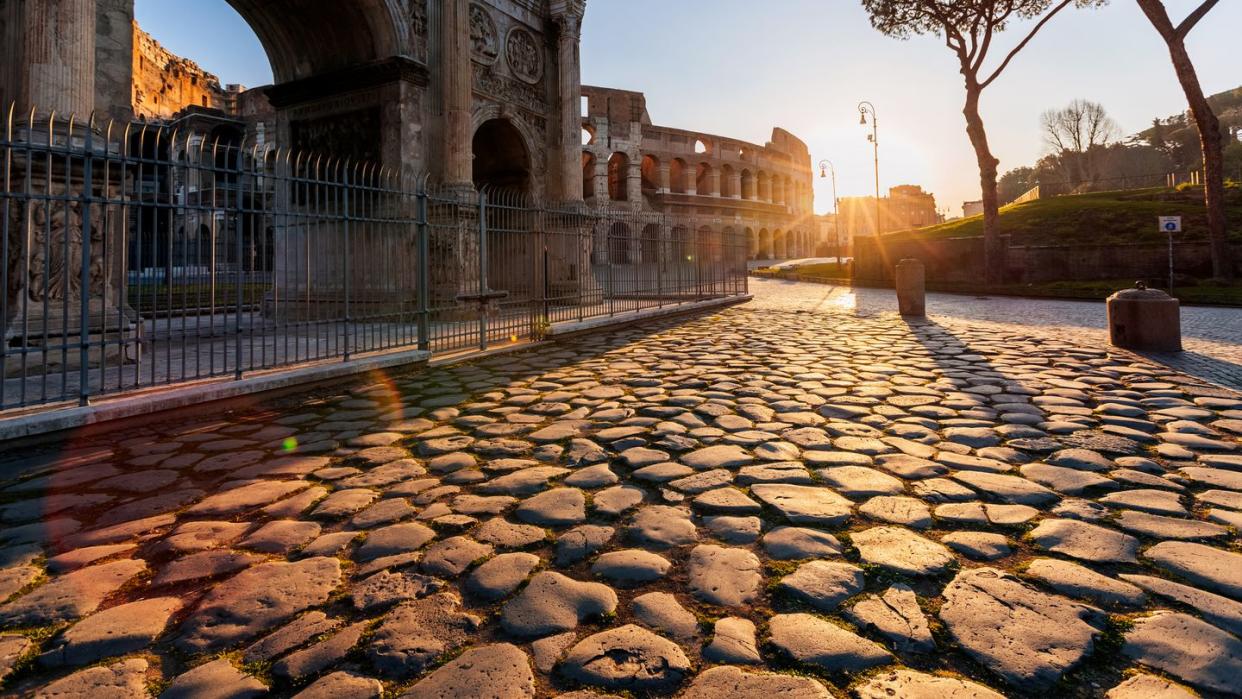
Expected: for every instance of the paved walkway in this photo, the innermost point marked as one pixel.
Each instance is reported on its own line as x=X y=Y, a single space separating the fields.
x=1212 y=336
x=777 y=500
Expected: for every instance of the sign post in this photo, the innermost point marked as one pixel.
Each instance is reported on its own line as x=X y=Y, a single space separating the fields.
x=1171 y=225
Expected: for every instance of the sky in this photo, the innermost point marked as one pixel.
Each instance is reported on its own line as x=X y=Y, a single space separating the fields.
x=738 y=68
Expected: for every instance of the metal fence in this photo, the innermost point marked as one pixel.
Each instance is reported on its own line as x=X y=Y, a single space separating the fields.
x=140 y=255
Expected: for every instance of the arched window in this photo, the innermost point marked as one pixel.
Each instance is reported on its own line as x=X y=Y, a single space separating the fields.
x=726 y=181
x=588 y=175
x=677 y=176
x=703 y=180
x=618 y=177
x=651 y=174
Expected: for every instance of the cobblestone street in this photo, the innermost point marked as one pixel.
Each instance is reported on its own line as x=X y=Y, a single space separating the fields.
x=804 y=496
x=1212 y=335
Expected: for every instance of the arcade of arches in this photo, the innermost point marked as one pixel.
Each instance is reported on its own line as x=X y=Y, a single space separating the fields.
x=763 y=191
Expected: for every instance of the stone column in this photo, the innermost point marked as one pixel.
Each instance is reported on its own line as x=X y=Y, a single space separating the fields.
x=735 y=185
x=663 y=184
x=713 y=181
x=49 y=56
x=765 y=191
x=602 y=195
x=568 y=17
x=456 y=76
x=692 y=179
x=634 y=182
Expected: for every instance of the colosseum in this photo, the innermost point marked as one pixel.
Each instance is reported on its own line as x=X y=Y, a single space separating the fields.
x=729 y=186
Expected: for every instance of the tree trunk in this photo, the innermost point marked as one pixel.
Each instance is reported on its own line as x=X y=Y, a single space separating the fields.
x=1211 y=141
x=1210 y=138
x=993 y=253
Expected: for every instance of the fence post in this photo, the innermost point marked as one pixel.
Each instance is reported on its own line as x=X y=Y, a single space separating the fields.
x=483 y=270
x=424 y=268
x=239 y=210
x=88 y=184
x=348 y=271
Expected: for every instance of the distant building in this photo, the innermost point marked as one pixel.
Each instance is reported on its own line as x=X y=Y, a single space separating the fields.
x=165 y=84
x=831 y=240
x=906 y=206
x=972 y=208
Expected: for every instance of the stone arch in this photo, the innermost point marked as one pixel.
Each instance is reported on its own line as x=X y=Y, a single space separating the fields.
x=703 y=179
x=305 y=38
x=679 y=239
x=704 y=243
x=618 y=176
x=530 y=140
x=501 y=156
x=650 y=174
x=725 y=245
x=677 y=173
x=588 y=175
x=649 y=243
x=765 y=244
x=620 y=243
x=726 y=181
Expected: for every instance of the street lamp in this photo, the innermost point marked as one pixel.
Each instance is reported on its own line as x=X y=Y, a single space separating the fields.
x=825 y=166
x=866 y=109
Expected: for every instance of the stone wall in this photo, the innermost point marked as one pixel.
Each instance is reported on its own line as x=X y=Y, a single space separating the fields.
x=958 y=260
x=165 y=84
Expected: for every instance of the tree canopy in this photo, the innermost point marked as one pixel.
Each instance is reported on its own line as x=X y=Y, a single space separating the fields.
x=967 y=26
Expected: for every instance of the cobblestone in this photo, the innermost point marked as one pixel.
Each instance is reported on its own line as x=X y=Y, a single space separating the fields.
x=655 y=510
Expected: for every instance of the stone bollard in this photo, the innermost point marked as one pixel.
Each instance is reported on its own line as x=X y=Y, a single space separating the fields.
x=911 y=288
x=1145 y=319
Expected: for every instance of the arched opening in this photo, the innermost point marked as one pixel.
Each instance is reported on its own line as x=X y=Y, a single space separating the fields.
x=588 y=136
x=618 y=177
x=620 y=246
x=650 y=244
x=650 y=174
x=588 y=175
x=748 y=185
x=703 y=180
x=701 y=147
x=726 y=181
x=677 y=176
x=765 y=244
x=500 y=157
x=679 y=248
x=306 y=38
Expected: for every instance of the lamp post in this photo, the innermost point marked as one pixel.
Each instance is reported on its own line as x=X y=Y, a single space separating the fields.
x=825 y=166
x=866 y=109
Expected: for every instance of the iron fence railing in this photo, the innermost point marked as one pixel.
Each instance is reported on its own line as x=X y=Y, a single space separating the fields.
x=141 y=255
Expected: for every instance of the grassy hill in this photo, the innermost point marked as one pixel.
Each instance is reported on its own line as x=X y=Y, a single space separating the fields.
x=1097 y=218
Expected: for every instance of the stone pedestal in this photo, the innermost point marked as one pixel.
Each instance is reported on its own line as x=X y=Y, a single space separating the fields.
x=911 y=288
x=62 y=254
x=1146 y=320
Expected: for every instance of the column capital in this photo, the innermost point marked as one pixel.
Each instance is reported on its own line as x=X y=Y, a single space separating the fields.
x=568 y=15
